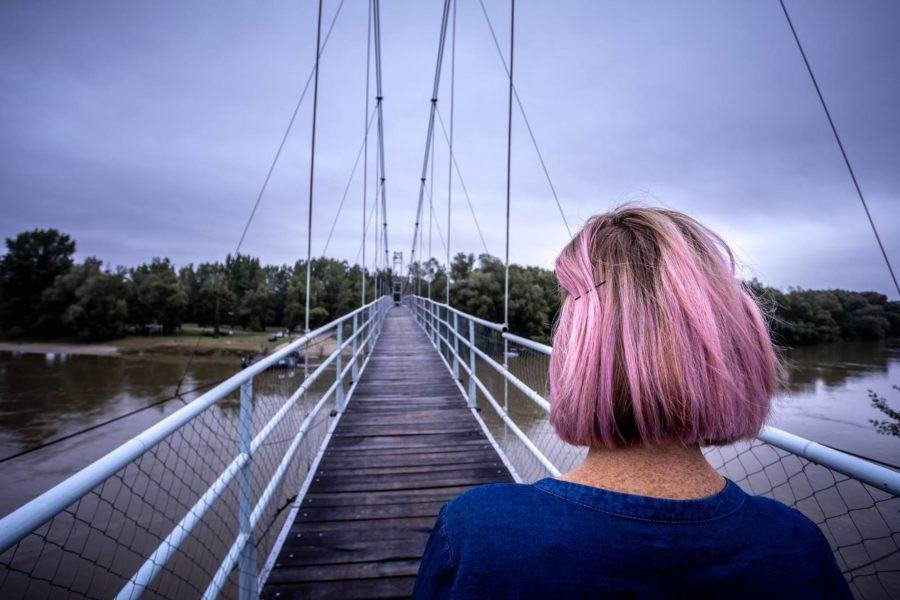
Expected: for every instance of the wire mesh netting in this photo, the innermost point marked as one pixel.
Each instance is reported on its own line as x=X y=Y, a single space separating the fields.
x=862 y=523
x=94 y=546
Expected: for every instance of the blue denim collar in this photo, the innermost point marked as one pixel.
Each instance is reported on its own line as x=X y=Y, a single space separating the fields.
x=646 y=508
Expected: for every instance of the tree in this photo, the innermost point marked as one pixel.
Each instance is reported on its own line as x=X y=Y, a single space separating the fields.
x=33 y=261
x=189 y=282
x=92 y=301
x=255 y=308
x=278 y=279
x=155 y=296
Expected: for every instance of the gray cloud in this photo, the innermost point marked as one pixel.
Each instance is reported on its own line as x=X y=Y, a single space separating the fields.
x=146 y=130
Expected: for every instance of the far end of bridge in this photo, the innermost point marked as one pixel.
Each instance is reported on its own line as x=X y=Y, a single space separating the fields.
x=406 y=444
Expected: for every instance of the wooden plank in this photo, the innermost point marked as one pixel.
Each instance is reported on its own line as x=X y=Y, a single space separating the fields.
x=455 y=461
x=376 y=511
x=344 y=498
x=353 y=552
x=349 y=460
x=406 y=444
x=345 y=570
x=379 y=429
x=306 y=536
x=353 y=451
x=397 y=480
x=392 y=526
x=352 y=589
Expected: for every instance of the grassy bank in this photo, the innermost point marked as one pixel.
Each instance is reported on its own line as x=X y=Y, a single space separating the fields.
x=183 y=343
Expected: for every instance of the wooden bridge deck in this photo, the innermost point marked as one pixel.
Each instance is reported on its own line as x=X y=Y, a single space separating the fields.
x=406 y=444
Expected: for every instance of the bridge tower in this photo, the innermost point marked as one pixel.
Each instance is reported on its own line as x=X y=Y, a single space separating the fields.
x=396 y=283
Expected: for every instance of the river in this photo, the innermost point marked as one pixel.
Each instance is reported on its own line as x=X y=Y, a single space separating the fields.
x=46 y=397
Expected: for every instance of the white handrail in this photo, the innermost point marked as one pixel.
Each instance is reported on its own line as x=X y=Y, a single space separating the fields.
x=164 y=551
x=20 y=523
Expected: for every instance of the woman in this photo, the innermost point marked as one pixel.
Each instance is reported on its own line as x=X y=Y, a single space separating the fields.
x=658 y=351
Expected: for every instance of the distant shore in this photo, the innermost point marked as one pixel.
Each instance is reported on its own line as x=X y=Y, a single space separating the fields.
x=59 y=348
x=241 y=343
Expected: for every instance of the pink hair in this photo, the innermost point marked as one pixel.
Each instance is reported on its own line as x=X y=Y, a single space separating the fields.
x=670 y=349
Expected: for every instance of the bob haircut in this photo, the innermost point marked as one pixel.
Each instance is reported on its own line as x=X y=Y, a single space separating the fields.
x=657 y=341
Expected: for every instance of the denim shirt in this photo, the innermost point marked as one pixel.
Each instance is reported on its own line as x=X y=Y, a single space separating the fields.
x=556 y=539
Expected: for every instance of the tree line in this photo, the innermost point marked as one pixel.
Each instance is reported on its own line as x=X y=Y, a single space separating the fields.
x=796 y=317
x=45 y=293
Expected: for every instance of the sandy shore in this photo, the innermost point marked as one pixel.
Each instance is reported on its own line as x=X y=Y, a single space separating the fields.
x=58 y=348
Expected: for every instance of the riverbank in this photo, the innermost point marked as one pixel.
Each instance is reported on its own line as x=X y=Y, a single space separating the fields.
x=188 y=341
x=59 y=348
x=183 y=343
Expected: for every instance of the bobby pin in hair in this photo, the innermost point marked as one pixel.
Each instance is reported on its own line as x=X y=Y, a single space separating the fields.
x=589 y=291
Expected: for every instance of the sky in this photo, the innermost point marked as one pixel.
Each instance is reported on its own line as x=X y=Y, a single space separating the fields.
x=147 y=129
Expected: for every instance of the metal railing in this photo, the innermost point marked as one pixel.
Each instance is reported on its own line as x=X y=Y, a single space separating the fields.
x=855 y=502
x=185 y=508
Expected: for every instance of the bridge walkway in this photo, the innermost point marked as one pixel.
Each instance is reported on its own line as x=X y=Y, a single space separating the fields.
x=406 y=444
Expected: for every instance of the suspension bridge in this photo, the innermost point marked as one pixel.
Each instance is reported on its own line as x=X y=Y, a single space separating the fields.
x=330 y=489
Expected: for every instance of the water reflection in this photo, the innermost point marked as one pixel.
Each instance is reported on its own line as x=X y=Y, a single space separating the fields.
x=832 y=365
x=51 y=395
x=47 y=397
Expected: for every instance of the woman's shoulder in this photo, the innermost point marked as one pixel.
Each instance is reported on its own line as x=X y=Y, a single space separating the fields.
x=490 y=496
x=773 y=513
x=492 y=502
x=777 y=522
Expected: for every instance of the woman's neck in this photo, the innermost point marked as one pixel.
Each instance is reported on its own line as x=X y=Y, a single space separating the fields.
x=675 y=472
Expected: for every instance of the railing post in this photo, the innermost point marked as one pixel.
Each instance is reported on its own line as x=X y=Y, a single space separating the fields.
x=371 y=325
x=247 y=567
x=354 y=370
x=472 y=389
x=434 y=325
x=339 y=368
x=455 y=347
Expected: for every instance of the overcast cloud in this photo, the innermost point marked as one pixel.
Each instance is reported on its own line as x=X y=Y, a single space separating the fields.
x=146 y=129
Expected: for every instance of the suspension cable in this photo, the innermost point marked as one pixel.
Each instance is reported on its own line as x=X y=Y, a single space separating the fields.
x=365 y=183
x=430 y=132
x=265 y=184
x=837 y=138
x=268 y=177
x=512 y=39
x=312 y=167
x=347 y=189
x=287 y=131
x=368 y=223
x=462 y=184
x=377 y=235
x=440 y=232
x=431 y=213
x=450 y=146
x=534 y=143
x=380 y=99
